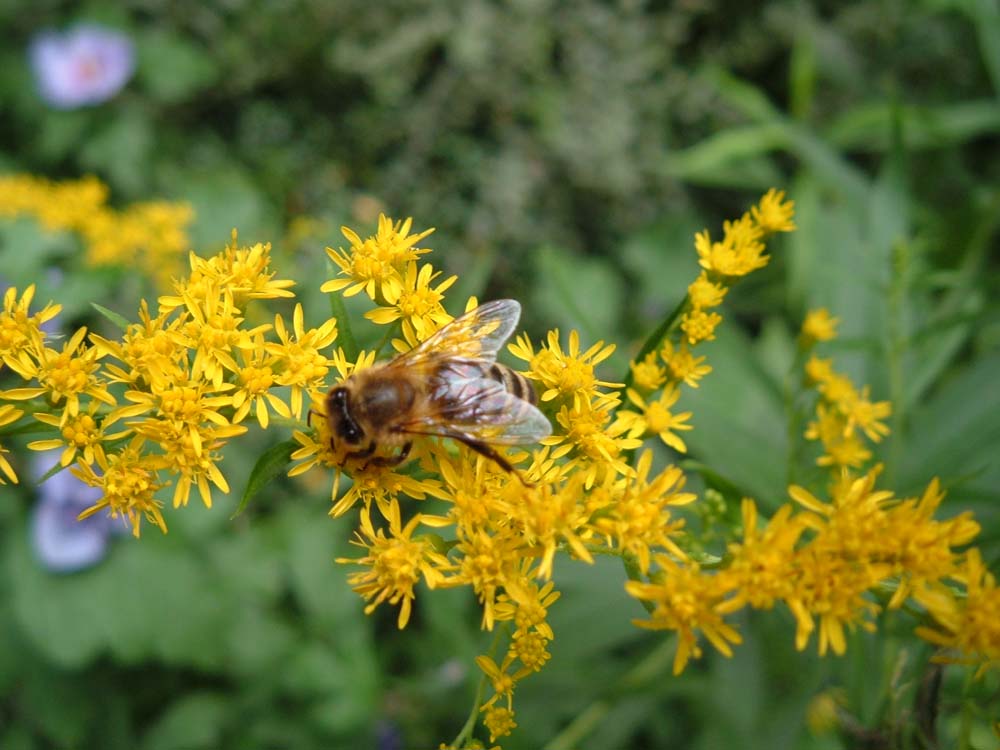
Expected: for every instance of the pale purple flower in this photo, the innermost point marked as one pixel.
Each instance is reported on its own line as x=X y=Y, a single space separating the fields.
x=62 y=543
x=86 y=65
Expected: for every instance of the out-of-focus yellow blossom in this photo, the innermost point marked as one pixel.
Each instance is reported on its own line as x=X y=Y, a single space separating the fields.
x=699 y=326
x=819 y=325
x=151 y=236
x=703 y=293
x=969 y=625
x=8 y=415
x=21 y=335
x=773 y=213
x=682 y=365
x=499 y=721
x=648 y=375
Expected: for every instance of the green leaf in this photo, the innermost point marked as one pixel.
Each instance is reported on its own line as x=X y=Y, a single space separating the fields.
x=194 y=721
x=120 y=148
x=111 y=315
x=956 y=433
x=586 y=294
x=115 y=608
x=739 y=420
x=271 y=463
x=345 y=334
x=173 y=68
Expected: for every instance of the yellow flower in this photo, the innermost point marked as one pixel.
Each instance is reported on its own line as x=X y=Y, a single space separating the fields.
x=192 y=452
x=214 y=332
x=415 y=301
x=244 y=272
x=699 y=325
x=396 y=563
x=657 y=419
x=546 y=517
x=773 y=213
x=563 y=373
x=83 y=433
x=762 y=568
x=638 y=519
x=152 y=351
x=489 y=562
x=501 y=681
x=375 y=265
x=128 y=482
x=530 y=608
x=254 y=380
x=969 y=625
x=20 y=332
x=499 y=721
x=8 y=415
x=740 y=252
x=595 y=443
x=72 y=373
x=819 y=325
x=688 y=601
x=648 y=375
x=298 y=361
x=702 y=293
x=683 y=365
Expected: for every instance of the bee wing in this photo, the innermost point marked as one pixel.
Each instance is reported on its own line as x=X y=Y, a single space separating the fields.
x=476 y=335
x=471 y=406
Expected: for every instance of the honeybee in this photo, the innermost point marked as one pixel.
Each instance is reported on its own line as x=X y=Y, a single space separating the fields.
x=450 y=385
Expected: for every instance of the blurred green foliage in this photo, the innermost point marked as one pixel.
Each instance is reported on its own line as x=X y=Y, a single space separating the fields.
x=566 y=153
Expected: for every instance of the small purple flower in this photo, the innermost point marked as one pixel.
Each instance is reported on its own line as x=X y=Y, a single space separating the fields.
x=61 y=543
x=87 y=65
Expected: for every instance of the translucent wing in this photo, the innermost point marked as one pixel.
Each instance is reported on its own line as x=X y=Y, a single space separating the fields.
x=469 y=405
x=478 y=335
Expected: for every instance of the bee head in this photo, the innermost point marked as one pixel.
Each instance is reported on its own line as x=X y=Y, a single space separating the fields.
x=342 y=423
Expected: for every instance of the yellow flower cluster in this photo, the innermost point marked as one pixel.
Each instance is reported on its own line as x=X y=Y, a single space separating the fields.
x=149 y=236
x=829 y=561
x=741 y=251
x=844 y=416
x=175 y=387
x=153 y=409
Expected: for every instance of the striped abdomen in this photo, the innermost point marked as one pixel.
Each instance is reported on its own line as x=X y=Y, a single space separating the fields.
x=514 y=382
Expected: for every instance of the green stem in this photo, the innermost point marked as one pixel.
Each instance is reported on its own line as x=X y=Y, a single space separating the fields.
x=793 y=386
x=470 y=723
x=654 y=340
x=894 y=355
x=345 y=336
x=634 y=574
x=390 y=331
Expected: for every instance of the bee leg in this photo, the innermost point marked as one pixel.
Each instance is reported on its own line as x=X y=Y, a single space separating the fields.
x=487 y=450
x=390 y=460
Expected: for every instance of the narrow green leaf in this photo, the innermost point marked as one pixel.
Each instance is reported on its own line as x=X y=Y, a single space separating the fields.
x=653 y=341
x=271 y=463
x=111 y=315
x=345 y=336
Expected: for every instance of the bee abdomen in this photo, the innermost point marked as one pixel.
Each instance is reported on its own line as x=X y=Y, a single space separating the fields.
x=514 y=382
